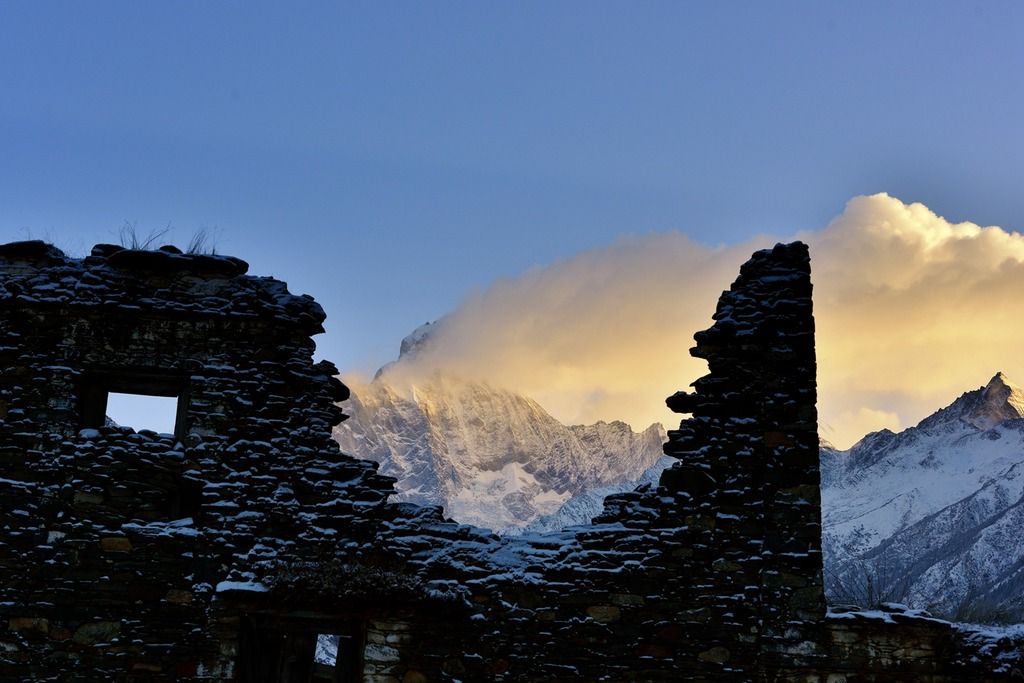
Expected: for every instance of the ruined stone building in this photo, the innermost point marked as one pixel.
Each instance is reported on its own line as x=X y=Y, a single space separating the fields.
x=222 y=551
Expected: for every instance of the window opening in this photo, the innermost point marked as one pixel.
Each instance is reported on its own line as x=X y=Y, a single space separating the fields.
x=335 y=659
x=326 y=649
x=143 y=411
x=140 y=400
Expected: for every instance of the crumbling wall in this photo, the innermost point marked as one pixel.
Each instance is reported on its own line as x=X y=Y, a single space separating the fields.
x=715 y=574
x=750 y=453
x=113 y=545
x=221 y=551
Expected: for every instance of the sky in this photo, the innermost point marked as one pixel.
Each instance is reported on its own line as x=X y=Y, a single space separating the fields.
x=395 y=160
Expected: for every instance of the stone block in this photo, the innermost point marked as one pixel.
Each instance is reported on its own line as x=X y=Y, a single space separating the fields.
x=718 y=655
x=115 y=544
x=36 y=625
x=604 y=613
x=178 y=597
x=96 y=632
x=374 y=652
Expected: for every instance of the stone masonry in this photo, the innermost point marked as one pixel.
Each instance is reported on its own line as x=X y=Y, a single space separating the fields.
x=222 y=551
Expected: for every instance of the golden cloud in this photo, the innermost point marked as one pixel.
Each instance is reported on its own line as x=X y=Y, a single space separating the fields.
x=911 y=311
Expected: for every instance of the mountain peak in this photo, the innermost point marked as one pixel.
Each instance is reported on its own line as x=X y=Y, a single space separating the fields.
x=1000 y=382
x=991 y=404
x=414 y=342
x=983 y=408
x=1001 y=400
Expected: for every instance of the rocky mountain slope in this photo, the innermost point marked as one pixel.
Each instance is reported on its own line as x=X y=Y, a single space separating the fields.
x=491 y=457
x=589 y=503
x=932 y=516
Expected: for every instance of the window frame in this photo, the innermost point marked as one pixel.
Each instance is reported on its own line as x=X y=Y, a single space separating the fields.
x=96 y=386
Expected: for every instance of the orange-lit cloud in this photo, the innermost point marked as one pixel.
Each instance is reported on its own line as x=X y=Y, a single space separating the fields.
x=911 y=310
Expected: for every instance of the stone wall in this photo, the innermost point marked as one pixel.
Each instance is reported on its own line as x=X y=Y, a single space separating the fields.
x=113 y=543
x=222 y=551
x=715 y=574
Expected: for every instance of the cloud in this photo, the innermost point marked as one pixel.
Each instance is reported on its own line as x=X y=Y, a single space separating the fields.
x=851 y=425
x=911 y=311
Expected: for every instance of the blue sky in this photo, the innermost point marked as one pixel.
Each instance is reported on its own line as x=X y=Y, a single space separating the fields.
x=390 y=157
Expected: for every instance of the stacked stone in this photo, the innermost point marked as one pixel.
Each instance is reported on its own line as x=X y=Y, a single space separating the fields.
x=753 y=432
x=715 y=524
x=113 y=544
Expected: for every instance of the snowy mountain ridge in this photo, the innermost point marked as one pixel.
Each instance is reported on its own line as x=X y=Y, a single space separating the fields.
x=997 y=401
x=490 y=456
x=931 y=516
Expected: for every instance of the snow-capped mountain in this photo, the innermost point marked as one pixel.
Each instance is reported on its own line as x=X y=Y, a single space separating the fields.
x=491 y=457
x=587 y=504
x=932 y=516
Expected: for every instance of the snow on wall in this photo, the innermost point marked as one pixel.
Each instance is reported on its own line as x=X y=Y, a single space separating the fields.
x=115 y=544
x=226 y=550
